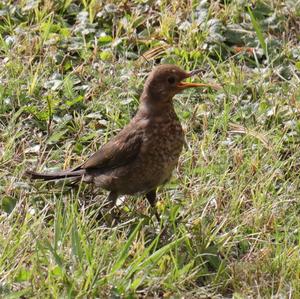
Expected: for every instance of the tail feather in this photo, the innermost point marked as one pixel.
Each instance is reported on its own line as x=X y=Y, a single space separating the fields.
x=58 y=175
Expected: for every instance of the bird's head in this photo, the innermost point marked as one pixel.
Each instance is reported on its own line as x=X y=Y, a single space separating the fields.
x=166 y=80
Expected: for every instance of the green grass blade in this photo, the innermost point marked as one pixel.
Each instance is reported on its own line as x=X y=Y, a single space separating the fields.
x=153 y=258
x=258 y=31
x=135 y=265
x=124 y=253
x=76 y=245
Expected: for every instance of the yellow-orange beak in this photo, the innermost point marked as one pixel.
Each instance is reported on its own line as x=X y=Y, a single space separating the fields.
x=184 y=85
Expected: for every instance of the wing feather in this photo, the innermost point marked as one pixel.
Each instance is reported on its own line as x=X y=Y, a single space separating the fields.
x=120 y=150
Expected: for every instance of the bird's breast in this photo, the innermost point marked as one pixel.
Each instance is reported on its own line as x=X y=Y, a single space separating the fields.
x=162 y=145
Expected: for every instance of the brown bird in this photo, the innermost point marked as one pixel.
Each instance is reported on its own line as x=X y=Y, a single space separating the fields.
x=144 y=153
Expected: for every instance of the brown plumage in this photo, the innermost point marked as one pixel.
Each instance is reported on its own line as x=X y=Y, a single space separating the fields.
x=144 y=153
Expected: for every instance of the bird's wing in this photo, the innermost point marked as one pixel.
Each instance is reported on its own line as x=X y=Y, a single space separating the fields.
x=119 y=151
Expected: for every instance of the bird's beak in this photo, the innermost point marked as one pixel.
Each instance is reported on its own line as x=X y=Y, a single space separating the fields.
x=184 y=85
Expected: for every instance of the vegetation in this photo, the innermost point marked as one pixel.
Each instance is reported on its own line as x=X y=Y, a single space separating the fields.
x=71 y=75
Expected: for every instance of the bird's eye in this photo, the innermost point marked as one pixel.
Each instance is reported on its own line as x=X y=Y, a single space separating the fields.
x=171 y=80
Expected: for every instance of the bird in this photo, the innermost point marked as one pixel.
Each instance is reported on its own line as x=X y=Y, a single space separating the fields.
x=143 y=155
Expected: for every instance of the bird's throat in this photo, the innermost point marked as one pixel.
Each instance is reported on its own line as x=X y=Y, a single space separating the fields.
x=156 y=106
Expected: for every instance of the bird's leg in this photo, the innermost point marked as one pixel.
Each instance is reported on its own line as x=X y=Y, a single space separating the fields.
x=112 y=198
x=151 y=197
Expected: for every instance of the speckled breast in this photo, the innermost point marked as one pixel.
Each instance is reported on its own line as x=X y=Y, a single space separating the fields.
x=161 y=149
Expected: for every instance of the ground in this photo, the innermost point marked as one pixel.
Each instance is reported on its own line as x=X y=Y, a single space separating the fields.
x=70 y=78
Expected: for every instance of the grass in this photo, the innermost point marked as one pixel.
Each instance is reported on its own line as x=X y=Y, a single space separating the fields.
x=71 y=74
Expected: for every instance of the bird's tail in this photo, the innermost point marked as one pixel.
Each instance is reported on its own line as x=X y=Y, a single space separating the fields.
x=58 y=175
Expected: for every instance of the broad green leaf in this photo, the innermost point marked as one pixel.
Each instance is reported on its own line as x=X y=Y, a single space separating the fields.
x=8 y=204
